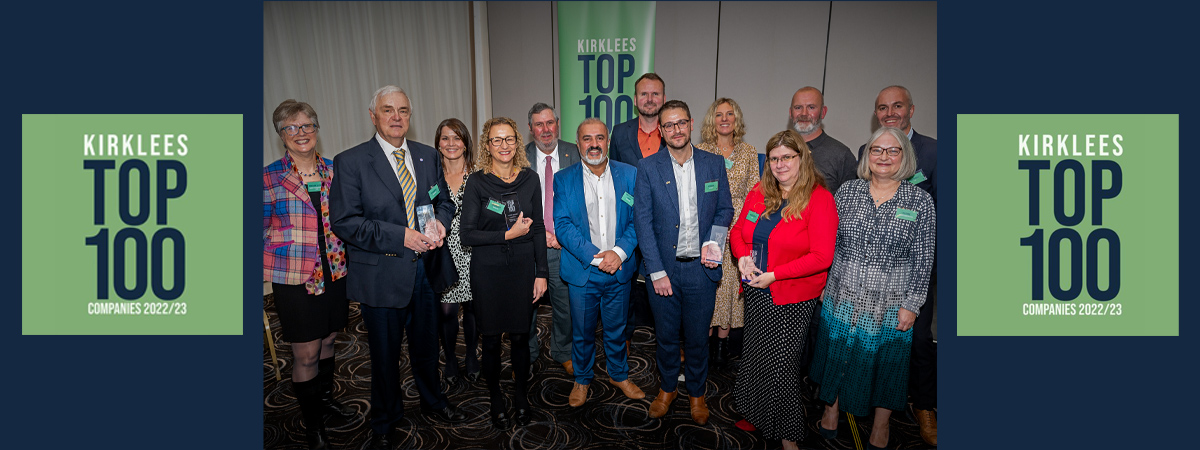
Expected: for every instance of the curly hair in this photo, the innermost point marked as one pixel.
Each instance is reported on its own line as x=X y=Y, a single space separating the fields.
x=708 y=130
x=484 y=161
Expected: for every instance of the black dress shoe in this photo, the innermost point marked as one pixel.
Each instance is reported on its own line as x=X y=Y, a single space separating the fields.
x=522 y=417
x=473 y=377
x=450 y=381
x=448 y=414
x=501 y=422
x=379 y=442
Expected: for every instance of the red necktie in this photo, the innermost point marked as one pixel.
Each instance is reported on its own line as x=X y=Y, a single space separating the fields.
x=548 y=203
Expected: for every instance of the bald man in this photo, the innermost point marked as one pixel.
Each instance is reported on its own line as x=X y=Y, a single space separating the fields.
x=833 y=158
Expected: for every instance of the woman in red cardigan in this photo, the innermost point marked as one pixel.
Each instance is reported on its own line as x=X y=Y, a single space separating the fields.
x=784 y=241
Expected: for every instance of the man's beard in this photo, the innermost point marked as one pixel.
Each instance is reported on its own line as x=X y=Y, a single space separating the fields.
x=654 y=113
x=811 y=127
x=545 y=148
x=597 y=161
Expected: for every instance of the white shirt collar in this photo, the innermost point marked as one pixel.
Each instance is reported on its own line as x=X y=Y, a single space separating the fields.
x=387 y=146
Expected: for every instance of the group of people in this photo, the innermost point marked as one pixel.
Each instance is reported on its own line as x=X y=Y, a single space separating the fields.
x=822 y=258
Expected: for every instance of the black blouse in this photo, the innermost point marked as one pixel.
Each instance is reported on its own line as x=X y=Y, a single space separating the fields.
x=482 y=227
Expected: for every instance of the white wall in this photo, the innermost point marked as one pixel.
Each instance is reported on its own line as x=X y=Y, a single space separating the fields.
x=757 y=53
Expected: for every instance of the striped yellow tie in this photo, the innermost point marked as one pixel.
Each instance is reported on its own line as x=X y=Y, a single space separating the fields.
x=408 y=186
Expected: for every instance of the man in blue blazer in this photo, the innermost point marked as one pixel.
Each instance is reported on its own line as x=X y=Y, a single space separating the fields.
x=639 y=137
x=627 y=137
x=681 y=194
x=593 y=217
x=390 y=260
x=894 y=108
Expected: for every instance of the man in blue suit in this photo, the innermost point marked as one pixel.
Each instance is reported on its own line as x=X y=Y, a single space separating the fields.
x=593 y=216
x=635 y=139
x=372 y=202
x=894 y=108
x=639 y=137
x=681 y=194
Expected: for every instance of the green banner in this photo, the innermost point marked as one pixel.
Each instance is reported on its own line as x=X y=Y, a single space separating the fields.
x=603 y=47
x=1068 y=225
x=131 y=224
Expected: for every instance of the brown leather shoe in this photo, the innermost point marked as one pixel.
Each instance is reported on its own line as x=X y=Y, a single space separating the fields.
x=578 y=395
x=699 y=410
x=928 y=422
x=569 y=367
x=661 y=403
x=631 y=390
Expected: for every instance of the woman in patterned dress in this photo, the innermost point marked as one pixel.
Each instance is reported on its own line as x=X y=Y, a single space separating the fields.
x=784 y=243
x=306 y=264
x=454 y=144
x=722 y=133
x=885 y=243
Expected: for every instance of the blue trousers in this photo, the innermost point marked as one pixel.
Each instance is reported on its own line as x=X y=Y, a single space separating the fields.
x=601 y=298
x=687 y=315
x=385 y=332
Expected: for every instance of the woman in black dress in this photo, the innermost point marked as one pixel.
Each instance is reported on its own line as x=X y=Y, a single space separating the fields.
x=502 y=223
x=306 y=264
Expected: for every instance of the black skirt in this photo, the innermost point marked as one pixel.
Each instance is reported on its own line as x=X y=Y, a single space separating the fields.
x=502 y=286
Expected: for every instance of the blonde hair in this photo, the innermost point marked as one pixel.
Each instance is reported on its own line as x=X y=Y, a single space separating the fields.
x=484 y=161
x=807 y=178
x=708 y=129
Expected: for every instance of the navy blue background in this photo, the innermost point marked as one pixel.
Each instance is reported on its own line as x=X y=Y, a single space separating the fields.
x=200 y=392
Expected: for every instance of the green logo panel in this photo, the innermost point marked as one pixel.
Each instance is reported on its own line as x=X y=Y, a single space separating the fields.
x=1103 y=255
x=131 y=224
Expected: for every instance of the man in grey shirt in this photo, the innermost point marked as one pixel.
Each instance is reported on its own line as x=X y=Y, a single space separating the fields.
x=833 y=158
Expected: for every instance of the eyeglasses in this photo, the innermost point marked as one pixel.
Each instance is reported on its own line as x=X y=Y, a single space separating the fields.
x=496 y=141
x=403 y=112
x=675 y=125
x=779 y=159
x=891 y=151
x=293 y=130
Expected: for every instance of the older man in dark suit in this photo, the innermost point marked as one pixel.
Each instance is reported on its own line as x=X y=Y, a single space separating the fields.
x=680 y=195
x=373 y=200
x=548 y=154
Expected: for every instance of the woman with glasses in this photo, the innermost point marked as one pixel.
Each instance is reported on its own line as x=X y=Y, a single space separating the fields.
x=306 y=264
x=453 y=142
x=722 y=133
x=784 y=242
x=877 y=284
x=502 y=222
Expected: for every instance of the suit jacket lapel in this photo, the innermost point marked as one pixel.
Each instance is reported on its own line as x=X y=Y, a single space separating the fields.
x=385 y=171
x=668 y=173
x=619 y=192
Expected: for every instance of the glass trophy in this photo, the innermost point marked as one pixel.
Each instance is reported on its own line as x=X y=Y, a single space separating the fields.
x=758 y=252
x=512 y=208
x=426 y=218
x=718 y=235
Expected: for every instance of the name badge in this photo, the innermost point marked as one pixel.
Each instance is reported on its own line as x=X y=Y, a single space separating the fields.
x=314 y=186
x=917 y=177
x=906 y=214
x=710 y=186
x=752 y=217
x=434 y=191
x=728 y=163
x=627 y=199
x=495 y=206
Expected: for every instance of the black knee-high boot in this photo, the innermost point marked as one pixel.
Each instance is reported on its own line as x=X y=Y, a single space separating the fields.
x=308 y=393
x=491 y=374
x=329 y=405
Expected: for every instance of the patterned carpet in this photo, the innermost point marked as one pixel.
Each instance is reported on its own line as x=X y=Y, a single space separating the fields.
x=608 y=420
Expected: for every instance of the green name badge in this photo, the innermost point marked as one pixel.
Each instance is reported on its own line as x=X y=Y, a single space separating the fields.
x=728 y=163
x=434 y=191
x=917 y=177
x=627 y=198
x=752 y=217
x=906 y=214
x=710 y=186
x=495 y=206
x=314 y=186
